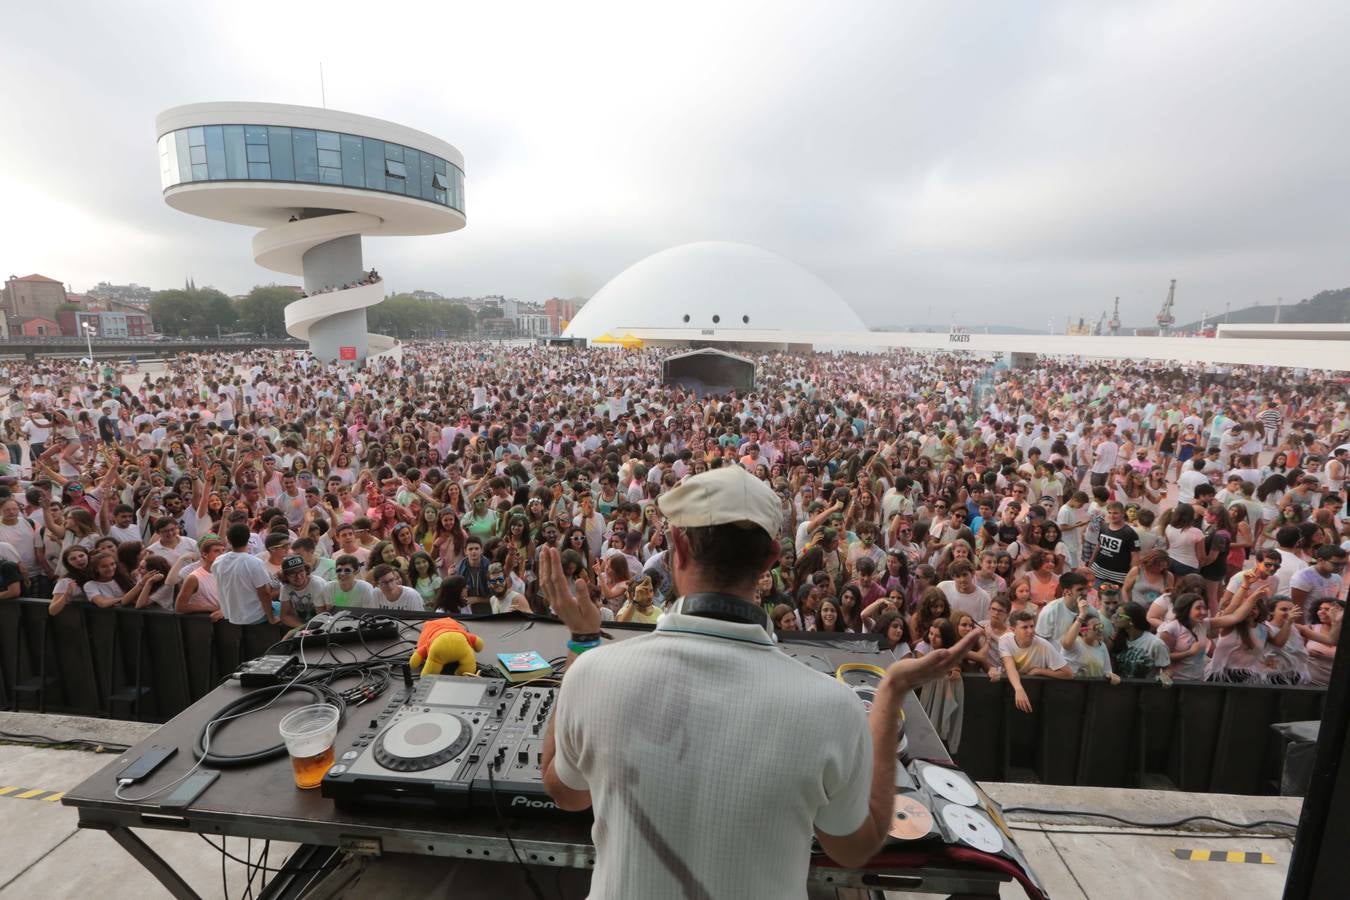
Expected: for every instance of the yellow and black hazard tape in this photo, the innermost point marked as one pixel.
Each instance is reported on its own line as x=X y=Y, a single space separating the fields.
x=22 y=793
x=1232 y=856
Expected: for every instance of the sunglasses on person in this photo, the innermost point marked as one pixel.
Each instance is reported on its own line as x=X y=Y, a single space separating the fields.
x=345 y=570
x=390 y=581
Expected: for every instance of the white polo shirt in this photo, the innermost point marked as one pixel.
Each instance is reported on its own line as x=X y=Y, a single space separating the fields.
x=686 y=735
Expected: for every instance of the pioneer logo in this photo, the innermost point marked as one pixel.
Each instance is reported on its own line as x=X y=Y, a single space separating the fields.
x=533 y=804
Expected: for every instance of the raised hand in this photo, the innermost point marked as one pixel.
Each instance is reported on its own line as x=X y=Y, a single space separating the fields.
x=908 y=674
x=570 y=602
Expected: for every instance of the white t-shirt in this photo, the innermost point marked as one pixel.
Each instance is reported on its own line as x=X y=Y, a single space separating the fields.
x=308 y=600
x=1316 y=584
x=361 y=595
x=1290 y=566
x=408 y=599
x=124 y=533
x=94 y=589
x=976 y=603
x=1040 y=655
x=1105 y=458
x=184 y=546
x=1188 y=481
x=632 y=748
x=1088 y=661
x=1073 y=540
x=22 y=536
x=239 y=575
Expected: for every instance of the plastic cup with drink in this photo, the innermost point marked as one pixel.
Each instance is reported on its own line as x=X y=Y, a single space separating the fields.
x=309 y=733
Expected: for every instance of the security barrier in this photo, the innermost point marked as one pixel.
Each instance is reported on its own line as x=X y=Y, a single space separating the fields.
x=145 y=664
x=1207 y=738
x=152 y=664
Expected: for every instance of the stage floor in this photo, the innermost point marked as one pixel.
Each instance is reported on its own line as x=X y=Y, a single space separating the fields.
x=48 y=856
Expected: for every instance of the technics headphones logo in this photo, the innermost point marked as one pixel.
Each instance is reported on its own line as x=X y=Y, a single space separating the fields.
x=532 y=804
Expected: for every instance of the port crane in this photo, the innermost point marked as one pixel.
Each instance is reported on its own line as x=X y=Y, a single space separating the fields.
x=1165 y=317
x=1114 y=324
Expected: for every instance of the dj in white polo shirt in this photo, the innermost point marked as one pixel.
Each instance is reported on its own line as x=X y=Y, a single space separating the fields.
x=709 y=756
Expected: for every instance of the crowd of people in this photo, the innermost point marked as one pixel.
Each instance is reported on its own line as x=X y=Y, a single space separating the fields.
x=1091 y=519
x=369 y=278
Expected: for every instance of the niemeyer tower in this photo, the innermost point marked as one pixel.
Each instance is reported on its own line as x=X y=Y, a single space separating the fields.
x=314 y=180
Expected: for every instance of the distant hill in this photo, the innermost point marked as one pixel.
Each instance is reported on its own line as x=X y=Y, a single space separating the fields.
x=1328 y=307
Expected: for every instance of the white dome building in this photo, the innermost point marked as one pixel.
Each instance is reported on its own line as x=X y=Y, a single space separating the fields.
x=716 y=292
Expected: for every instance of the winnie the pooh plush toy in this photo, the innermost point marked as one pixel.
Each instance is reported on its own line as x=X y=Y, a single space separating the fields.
x=446 y=643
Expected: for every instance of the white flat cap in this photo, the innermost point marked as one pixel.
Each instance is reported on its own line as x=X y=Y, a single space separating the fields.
x=723 y=496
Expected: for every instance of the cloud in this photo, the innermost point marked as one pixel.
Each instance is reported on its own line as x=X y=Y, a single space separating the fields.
x=1001 y=163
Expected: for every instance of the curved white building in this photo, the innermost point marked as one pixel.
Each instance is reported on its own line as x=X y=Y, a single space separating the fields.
x=727 y=291
x=314 y=180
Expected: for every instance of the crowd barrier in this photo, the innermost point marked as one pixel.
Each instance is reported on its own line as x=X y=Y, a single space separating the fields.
x=1192 y=736
x=151 y=664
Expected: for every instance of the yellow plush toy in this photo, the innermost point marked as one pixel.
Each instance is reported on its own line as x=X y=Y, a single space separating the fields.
x=445 y=642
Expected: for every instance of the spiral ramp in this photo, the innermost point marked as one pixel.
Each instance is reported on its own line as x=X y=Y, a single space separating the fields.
x=282 y=248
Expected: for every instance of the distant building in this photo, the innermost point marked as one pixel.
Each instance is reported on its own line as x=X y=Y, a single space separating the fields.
x=562 y=311
x=38 y=326
x=524 y=319
x=107 y=323
x=426 y=296
x=134 y=294
x=32 y=296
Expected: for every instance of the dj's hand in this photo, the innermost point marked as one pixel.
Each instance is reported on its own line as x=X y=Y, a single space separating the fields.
x=908 y=674
x=570 y=602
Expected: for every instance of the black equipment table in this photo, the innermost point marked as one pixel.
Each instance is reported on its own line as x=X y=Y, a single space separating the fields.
x=261 y=801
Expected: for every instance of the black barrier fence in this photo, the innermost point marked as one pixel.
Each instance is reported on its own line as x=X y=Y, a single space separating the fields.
x=1209 y=738
x=151 y=664
x=123 y=663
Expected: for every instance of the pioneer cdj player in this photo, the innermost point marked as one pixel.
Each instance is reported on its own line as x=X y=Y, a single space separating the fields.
x=454 y=743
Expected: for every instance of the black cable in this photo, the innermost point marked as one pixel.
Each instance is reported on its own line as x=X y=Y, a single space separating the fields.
x=224 y=882
x=529 y=876
x=38 y=740
x=251 y=701
x=1133 y=824
x=299 y=870
x=1206 y=835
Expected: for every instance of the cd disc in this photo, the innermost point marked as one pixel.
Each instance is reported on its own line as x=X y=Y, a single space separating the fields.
x=949 y=785
x=912 y=820
x=972 y=827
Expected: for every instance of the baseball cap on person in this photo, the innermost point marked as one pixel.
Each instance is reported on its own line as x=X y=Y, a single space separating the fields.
x=292 y=563
x=726 y=496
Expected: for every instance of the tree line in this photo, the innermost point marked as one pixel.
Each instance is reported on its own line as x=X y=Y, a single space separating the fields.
x=207 y=312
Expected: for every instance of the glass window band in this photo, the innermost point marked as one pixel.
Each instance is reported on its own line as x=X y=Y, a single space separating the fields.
x=280 y=153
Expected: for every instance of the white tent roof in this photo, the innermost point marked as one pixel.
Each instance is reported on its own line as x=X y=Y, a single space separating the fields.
x=718 y=286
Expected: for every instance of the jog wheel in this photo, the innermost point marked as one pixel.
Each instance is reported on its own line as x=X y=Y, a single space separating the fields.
x=422 y=741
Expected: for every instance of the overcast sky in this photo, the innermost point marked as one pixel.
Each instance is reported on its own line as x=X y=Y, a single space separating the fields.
x=992 y=162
